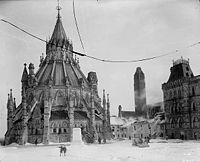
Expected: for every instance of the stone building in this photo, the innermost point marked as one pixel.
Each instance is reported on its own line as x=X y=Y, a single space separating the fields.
x=57 y=98
x=128 y=115
x=182 y=102
x=140 y=98
x=116 y=127
x=140 y=92
x=141 y=129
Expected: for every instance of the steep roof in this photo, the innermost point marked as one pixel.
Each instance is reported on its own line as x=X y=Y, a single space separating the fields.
x=24 y=75
x=60 y=67
x=59 y=32
x=179 y=70
x=116 y=120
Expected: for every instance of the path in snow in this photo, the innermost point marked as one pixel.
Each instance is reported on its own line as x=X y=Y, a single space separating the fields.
x=118 y=151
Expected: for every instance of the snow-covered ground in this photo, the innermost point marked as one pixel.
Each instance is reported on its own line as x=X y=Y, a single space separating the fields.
x=115 y=151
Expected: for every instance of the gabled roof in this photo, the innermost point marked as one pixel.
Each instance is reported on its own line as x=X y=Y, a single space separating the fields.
x=116 y=121
x=179 y=70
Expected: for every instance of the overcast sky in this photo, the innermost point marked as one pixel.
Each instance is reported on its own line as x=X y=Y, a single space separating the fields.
x=110 y=29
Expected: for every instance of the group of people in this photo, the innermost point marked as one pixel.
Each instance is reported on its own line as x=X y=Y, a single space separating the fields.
x=143 y=142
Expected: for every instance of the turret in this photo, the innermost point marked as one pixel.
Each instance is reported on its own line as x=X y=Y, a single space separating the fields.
x=92 y=79
x=140 y=92
x=14 y=104
x=108 y=117
x=10 y=109
x=24 y=79
x=120 y=111
x=31 y=69
x=32 y=81
x=104 y=117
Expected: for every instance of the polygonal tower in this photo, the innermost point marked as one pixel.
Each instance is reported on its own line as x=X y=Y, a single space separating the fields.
x=57 y=98
x=140 y=92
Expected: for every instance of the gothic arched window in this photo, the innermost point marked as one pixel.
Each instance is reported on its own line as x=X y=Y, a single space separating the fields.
x=60 y=99
x=171 y=109
x=179 y=93
x=170 y=94
x=174 y=94
x=193 y=91
x=180 y=122
x=193 y=106
x=195 y=122
x=172 y=123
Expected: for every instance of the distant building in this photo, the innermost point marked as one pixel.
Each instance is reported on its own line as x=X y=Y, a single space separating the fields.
x=158 y=125
x=154 y=109
x=182 y=102
x=141 y=129
x=128 y=115
x=140 y=92
x=152 y=128
x=117 y=130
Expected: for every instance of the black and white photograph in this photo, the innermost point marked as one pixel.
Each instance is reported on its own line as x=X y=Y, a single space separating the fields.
x=100 y=80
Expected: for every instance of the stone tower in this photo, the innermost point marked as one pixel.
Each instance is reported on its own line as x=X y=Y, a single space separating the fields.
x=56 y=98
x=140 y=92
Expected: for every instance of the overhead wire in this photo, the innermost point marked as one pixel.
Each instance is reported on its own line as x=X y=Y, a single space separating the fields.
x=76 y=23
x=99 y=59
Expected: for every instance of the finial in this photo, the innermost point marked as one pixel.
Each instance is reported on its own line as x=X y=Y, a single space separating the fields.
x=25 y=64
x=58 y=8
x=107 y=97
x=77 y=60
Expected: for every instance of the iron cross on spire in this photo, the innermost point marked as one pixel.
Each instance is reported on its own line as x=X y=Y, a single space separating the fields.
x=58 y=8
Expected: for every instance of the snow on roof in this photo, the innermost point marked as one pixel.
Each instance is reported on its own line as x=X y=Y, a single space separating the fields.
x=116 y=120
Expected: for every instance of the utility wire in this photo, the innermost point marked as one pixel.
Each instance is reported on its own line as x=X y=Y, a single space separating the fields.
x=76 y=23
x=104 y=60
x=23 y=30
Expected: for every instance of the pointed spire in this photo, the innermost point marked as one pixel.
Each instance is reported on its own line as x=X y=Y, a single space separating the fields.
x=11 y=98
x=59 y=32
x=58 y=8
x=14 y=104
x=108 y=99
x=25 y=74
x=8 y=102
x=104 y=99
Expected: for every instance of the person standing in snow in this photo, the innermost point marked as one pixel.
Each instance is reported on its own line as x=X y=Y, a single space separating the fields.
x=36 y=142
x=99 y=140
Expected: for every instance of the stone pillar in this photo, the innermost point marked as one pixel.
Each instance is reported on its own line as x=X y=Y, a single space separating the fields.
x=92 y=120
x=47 y=111
x=24 y=136
x=104 y=117
x=186 y=103
x=108 y=118
x=71 y=118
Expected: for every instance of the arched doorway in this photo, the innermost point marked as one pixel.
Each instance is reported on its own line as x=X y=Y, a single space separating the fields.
x=182 y=136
